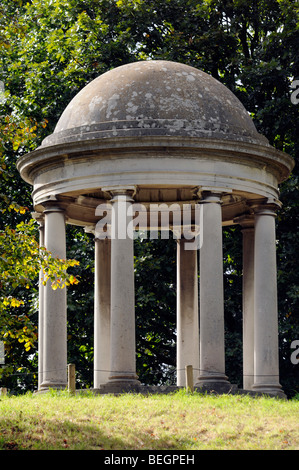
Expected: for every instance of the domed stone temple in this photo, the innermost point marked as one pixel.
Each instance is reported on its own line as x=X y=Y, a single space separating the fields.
x=160 y=146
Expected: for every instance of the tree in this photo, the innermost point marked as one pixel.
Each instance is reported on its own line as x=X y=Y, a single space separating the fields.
x=21 y=261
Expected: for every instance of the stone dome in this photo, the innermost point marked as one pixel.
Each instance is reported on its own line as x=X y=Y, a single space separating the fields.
x=165 y=129
x=154 y=98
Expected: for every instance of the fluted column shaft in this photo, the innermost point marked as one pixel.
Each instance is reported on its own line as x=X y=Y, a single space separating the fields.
x=55 y=320
x=266 y=363
x=123 y=353
x=187 y=310
x=102 y=311
x=212 y=353
x=248 y=303
x=40 y=219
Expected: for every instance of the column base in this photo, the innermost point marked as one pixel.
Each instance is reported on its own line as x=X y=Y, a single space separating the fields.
x=269 y=389
x=129 y=378
x=121 y=384
x=217 y=383
x=48 y=385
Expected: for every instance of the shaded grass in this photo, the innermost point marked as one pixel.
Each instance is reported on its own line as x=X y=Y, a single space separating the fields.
x=178 y=421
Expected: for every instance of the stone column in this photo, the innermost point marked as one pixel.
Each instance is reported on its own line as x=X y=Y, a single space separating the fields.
x=212 y=353
x=40 y=219
x=102 y=311
x=123 y=353
x=266 y=367
x=247 y=224
x=55 y=334
x=187 y=310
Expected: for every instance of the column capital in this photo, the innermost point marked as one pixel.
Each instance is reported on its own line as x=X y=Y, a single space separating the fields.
x=265 y=207
x=53 y=208
x=52 y=203
x=212 y=195
x=246 y=221
x=117 y=190
x=97 y=236
x=89 y=229
x=39 y=217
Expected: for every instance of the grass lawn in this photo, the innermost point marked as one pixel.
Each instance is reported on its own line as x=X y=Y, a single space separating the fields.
x=179 y=421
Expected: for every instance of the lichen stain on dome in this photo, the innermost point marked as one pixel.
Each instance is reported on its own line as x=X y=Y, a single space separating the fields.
x=154 y=98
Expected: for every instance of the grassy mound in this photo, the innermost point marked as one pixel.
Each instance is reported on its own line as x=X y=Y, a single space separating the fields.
x=179 y=421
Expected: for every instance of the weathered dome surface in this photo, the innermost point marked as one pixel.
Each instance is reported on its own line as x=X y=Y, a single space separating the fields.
x=154 y=98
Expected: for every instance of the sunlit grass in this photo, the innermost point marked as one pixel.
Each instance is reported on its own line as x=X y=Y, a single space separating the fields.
x=178 y=421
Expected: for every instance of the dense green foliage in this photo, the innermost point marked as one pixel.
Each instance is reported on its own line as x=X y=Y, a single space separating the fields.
x=50 y=49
